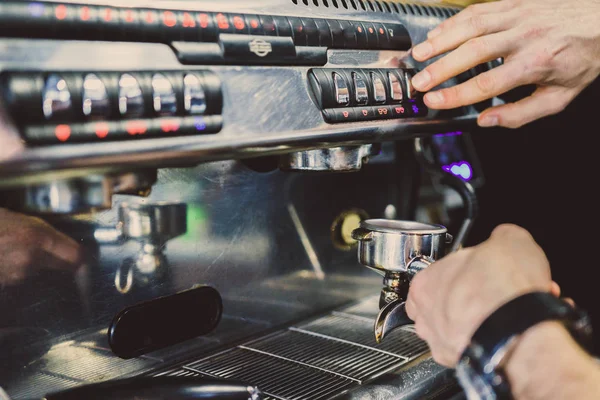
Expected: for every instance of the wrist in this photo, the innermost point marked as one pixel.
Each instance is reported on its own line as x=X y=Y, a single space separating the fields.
x=546 y=363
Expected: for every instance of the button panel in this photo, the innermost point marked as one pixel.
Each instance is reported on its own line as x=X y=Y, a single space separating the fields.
x=49 y=20
x=346 y=95
x=69 y=107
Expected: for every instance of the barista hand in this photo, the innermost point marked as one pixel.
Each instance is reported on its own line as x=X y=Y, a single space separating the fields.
x=29 y=244
x=450 y=299
x=554 y=44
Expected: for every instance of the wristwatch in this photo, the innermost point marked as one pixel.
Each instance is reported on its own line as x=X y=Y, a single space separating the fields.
x=480 y=368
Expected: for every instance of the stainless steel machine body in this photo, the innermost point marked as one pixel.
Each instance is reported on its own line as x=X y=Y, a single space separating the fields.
x=259 y=211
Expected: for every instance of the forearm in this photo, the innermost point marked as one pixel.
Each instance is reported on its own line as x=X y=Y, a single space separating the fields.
x=548 y=364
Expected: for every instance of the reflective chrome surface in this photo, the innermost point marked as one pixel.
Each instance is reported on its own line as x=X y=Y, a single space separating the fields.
x=95 y=97
x=335 y=159
x=163 y=95
x=131 y=100
x=390 y=246
x=397 y=249
x=56 y=97
x=194 y=97
x=264 y=239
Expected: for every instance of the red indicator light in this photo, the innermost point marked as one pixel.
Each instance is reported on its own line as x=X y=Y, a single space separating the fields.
x=61 y=12
x=107 y=14
x=204 y=21
x=85 y=13
x=129 y=16
x=359 y=29
x=371 y=30
x=169 y=19
x=299 y=28
x=149 y=17
x=102 y=130
x=136 y=127
x=188 y=21
x=365 y=112
x=222 y=21
x=399 y=110
x=239 y=24
x=254 y=23
x=169 y=125
x=346 y=114
x=381 y=31
x=62 y=132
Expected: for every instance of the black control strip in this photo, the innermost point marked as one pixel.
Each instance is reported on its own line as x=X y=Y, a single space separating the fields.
x=68 y=107
x=205 y=37
x=348 y=95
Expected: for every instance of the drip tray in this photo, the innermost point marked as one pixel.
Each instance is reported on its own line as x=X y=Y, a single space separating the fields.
x=320 y=359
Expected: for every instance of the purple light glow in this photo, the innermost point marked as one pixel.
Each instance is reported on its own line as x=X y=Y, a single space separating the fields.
x=36 y=9
x=462 y=169
x=199 y=124
x=448 y=134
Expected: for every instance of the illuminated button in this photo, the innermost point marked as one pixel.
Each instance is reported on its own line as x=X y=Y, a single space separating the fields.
x=334 y=115
x=239 y=24
x=254 y=25
x=398 y=111
x=62 y=132
x=361 y=34
x=268 y=24
x=56 y=97
x=342 y=94
x=364 y=113
x=360 y=88
x=372 y=35
x=135 y=128
x=169 y=19
x=194 y=98
x=383 y=112
x=223 y=24
x=187 y=20
x=298 y=31
x=95 y=98
x=395 y=87
x=378 y=88
x=163 y=95
x=131 y=100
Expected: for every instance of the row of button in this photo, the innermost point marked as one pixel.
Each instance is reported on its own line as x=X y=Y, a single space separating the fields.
x=73 y=97
x=369 y=113
x=121 y=130
x=91 y=22
x=360 y=87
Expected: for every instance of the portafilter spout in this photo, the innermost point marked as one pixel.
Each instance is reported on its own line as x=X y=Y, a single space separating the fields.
x=398 y=250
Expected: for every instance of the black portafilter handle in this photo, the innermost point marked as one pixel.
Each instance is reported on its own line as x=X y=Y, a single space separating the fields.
x=161 y=388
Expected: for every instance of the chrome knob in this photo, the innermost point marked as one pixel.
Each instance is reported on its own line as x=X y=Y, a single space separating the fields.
x=95 y=97
x=163 y=95
x=194 y=97
x=56 y=97
x=131 y=100
x=398 y=250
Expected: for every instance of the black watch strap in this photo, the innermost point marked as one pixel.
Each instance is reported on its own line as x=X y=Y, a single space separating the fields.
x=512 y=319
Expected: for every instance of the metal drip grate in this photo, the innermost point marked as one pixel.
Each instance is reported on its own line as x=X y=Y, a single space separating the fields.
x=317 y=360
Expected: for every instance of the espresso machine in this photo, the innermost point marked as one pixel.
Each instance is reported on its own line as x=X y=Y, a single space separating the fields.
x=185 y=187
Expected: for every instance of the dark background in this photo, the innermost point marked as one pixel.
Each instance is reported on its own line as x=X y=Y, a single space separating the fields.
x=544 y=177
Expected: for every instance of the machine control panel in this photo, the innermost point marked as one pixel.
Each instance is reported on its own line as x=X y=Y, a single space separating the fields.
x=203 y=37
x=59 y=107
x=348 y=95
